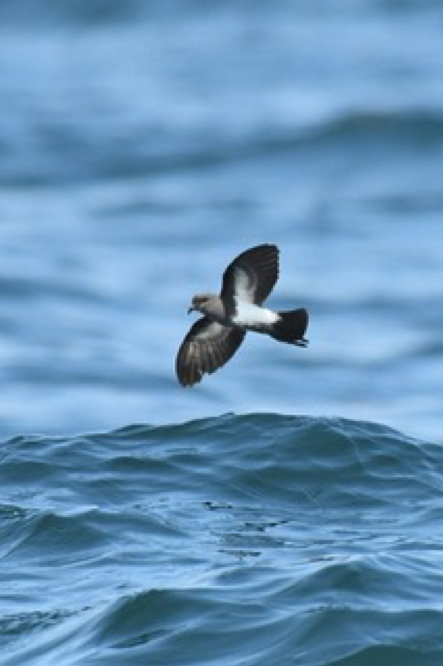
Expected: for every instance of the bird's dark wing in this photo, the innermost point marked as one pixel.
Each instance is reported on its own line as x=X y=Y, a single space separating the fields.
x=251 y=276
x=206 y=347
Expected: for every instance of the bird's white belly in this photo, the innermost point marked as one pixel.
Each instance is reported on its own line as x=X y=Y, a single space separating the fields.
x=249 y=314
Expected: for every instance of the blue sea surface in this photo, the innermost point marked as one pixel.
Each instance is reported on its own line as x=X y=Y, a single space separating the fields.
x=287 y=510
x=240 y=540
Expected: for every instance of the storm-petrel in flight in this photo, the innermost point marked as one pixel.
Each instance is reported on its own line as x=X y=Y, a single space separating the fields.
x=215 y=337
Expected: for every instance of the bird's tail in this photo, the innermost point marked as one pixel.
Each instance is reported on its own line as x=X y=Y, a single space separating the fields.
x=291 y=327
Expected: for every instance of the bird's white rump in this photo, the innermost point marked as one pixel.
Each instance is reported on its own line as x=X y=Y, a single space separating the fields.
x=248 y=314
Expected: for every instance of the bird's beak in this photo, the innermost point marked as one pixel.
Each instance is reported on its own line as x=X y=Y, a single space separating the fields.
x=191 y=309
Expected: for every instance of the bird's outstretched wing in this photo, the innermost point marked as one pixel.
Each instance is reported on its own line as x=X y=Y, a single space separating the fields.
x=251 y=276
x=206 y=347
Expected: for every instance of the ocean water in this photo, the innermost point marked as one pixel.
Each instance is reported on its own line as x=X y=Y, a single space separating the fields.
x=287 y=509
x=241 y=540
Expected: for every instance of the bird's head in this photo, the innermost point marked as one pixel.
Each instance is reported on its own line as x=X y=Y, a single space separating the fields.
x=200 y=303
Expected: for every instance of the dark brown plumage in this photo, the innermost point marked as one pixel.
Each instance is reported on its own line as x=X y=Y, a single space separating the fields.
x=206 y=347
x=256 y=270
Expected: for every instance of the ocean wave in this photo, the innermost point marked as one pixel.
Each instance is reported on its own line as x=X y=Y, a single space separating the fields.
x=98 y=157
x=254 y=539
x=110 y=12
x=97 y=12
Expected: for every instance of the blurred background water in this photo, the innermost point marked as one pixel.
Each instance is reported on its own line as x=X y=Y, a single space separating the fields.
x=143 y=145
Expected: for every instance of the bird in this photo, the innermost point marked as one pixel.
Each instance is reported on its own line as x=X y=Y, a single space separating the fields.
x=214 y=338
